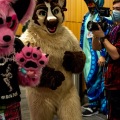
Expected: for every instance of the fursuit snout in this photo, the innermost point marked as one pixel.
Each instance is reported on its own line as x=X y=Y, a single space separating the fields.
x=6 y=40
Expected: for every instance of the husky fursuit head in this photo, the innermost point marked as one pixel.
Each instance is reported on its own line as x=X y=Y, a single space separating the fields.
x=45 y=30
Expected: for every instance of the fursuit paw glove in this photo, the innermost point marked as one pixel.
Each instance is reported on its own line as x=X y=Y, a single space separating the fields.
x=51 y=78
x=74 y=61
x=30 y=60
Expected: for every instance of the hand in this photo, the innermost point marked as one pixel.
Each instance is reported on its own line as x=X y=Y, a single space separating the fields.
x=51 y=78
x=101 y=61
x=74 y=61
x=98 y=33
x=31 y=61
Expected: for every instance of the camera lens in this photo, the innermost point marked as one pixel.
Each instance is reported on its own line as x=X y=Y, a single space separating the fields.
x=92 y=26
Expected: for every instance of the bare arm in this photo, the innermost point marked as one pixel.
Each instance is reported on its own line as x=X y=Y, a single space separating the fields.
x=101 y=61
x=111 y=49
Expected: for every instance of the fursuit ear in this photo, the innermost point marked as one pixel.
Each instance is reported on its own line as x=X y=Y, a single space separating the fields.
x=24 y=9
x=62 y=3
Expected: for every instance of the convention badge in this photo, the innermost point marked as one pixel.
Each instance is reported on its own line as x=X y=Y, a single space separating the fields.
x=89 y=35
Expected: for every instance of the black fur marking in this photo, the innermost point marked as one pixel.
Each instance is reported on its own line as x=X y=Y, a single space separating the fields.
x=28 y=53
x=64 y=6
x=22 y=60
x=1 y=21
x=20 y=7
x=40 y=2
x=8 y=19
x=56 y=1
x=53 y=23
x=31 y=64
x=35 y=18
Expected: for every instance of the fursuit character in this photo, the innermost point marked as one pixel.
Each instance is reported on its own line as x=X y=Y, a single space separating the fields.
x=45 y=30
x=93 y=69
x=9 y=87
x=18 y=64
x=9 y=69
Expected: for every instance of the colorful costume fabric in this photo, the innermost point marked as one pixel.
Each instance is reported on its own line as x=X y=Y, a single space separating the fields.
x=93 y=74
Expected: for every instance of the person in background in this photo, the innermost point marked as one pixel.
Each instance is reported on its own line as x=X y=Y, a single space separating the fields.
x=93 y=70
x=111 y=43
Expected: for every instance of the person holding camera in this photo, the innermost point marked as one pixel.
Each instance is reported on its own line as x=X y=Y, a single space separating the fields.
x=111 y=43
x=93 y=69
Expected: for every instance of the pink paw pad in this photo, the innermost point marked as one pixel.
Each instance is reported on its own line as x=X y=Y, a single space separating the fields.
x=31 y=58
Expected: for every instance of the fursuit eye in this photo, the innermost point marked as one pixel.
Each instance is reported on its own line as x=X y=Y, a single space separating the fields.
x=56 y=11
x=42 y=13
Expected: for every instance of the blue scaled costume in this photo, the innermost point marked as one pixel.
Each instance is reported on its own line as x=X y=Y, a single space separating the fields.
x=93 y=74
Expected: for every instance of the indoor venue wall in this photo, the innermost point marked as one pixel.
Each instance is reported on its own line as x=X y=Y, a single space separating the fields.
x=74 y=15
x=76 y=11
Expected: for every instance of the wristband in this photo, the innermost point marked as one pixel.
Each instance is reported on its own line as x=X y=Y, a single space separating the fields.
x=23 y=71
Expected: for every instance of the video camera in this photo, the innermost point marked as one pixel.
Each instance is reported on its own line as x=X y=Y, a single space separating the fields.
x=102 y=12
